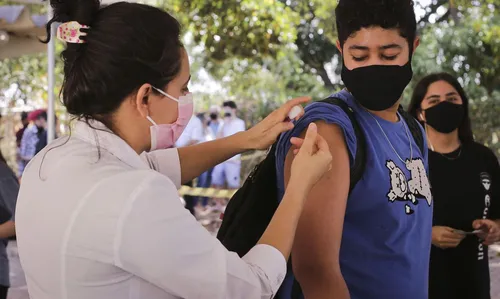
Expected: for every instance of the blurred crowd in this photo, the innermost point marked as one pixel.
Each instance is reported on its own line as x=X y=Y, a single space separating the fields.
x=217 y=122
x=31 y=138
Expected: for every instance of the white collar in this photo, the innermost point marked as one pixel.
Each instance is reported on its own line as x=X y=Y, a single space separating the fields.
x=100 y=136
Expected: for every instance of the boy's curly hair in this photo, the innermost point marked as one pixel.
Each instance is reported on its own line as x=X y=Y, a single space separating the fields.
x=352 y=15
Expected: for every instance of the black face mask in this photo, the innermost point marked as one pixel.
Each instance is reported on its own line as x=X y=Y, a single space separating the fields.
x=213 y=116
x=227 y=114
x=445 y=117
x=377 y=87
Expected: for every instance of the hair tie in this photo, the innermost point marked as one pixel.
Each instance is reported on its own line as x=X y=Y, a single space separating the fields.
x=71 y=32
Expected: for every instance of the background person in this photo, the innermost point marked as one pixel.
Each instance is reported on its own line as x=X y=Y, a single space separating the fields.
x=465 y=179
x=192 y=134
x=29 y=140
x=41 y=125
x=19 y=136
x=9 y=188
x=24 y=122
x=215 y=122
x=227 y=174
x=205 y=179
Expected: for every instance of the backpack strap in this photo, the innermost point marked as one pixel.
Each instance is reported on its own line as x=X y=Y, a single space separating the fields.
x=358 y=168
x=414 y=127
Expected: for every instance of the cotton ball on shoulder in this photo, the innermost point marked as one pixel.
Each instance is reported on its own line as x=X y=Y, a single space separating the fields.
x=294 y=112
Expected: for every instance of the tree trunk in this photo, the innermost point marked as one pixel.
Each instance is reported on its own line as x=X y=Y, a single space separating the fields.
x=324 y=76
x=454 y=12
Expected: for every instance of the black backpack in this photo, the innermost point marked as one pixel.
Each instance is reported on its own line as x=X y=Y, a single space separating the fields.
x=251 y=208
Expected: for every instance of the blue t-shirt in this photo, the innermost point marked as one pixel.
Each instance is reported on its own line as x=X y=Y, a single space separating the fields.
x=386 y=237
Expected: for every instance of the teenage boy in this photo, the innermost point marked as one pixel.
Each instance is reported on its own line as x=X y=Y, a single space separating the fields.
x=374 y=241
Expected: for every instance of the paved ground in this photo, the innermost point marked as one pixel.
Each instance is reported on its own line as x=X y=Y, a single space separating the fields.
x=18 y=288
x=19 y=291
x=495 y=271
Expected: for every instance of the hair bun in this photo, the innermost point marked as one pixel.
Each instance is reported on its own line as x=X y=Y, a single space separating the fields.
x=82 y=11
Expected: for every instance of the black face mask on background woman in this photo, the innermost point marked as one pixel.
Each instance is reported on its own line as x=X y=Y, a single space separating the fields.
x=445 y=117
x=377 y=87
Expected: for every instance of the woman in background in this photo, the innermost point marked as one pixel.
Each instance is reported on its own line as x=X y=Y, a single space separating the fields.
x=465 y=180
x=9 y=188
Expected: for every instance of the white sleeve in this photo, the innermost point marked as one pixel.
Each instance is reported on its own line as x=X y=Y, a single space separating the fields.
x=166 y=162
x=163 y=244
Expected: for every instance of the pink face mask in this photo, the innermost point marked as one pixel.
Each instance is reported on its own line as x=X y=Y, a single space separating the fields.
x=165 y=135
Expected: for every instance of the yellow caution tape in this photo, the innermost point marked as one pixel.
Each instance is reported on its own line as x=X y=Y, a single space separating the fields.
x=206 y=192
x=217 y=193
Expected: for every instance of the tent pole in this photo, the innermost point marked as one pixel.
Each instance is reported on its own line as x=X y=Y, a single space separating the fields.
x=51 y=79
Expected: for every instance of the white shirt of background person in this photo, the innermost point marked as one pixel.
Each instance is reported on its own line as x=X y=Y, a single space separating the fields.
x=231 y=126
x=212 y=132
x=193 y=133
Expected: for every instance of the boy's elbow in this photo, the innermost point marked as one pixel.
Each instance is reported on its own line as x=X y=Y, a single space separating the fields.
x=316 y=272
x=321 y=281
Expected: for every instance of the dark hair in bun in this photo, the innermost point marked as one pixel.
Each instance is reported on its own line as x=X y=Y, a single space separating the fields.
x=127 y=45
x=353 y=15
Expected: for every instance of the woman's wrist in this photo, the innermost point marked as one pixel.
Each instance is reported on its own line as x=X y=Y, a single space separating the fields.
x=297 y=189
x=240 y=142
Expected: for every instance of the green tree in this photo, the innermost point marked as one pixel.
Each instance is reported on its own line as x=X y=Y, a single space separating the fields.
x=464 y=40
x=261 y=52
x=249 y=29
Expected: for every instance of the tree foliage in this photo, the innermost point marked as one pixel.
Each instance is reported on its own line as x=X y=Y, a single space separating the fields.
x=250 y=29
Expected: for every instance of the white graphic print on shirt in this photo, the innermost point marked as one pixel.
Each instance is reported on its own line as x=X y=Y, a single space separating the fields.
x=486 y=181
x=404 y=190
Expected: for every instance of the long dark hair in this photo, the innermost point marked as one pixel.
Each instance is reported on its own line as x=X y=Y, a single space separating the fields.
x=464 y=130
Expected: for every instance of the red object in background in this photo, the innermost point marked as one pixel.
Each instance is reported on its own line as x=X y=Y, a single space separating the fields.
x=34 y=114
x=221 y=216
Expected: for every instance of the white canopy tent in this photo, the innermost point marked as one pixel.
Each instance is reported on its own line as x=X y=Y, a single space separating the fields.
x=19 y=31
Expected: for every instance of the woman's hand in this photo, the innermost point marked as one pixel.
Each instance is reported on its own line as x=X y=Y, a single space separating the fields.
x=490 y=230
x=311 y=161
x=265 y=133
x=446 y=237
